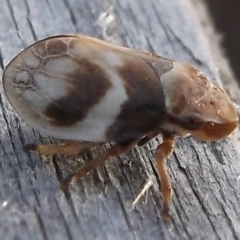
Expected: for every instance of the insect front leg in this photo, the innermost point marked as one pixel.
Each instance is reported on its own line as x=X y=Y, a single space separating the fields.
x=114 y=151
x=65 y=149
x=162 y=153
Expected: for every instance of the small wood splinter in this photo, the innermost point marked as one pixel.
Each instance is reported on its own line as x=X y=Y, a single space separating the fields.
x=77 y=88
x=141 y=192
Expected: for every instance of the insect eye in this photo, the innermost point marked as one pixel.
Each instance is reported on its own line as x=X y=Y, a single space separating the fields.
x=215 y=131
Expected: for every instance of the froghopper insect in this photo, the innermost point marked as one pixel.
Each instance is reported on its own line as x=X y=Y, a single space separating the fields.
x=90 y=92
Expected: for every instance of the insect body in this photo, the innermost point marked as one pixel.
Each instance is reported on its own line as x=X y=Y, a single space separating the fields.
x=89 y=91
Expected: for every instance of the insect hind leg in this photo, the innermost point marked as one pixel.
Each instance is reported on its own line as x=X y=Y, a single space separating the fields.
x=114 y=151
x=66 y=149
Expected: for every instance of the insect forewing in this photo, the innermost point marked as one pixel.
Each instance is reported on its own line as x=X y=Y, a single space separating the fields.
x=79 y=88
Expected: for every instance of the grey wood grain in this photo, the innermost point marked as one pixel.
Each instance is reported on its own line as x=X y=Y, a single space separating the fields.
x=206 y=194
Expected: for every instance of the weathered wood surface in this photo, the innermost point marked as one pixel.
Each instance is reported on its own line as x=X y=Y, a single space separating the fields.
x=206 y=194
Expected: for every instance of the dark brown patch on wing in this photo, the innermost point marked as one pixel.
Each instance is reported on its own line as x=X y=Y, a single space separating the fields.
x=144 y=111
x=39 y=49
x=53 y=46
x=56 y=47
x=87 y=86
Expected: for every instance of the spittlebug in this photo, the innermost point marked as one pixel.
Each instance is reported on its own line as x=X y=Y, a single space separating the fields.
x=91 y=92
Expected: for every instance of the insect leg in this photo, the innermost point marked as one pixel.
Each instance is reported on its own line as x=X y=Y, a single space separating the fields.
x=65 y=149
x=114 y=151
x=147 y=138
x=162 y=153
